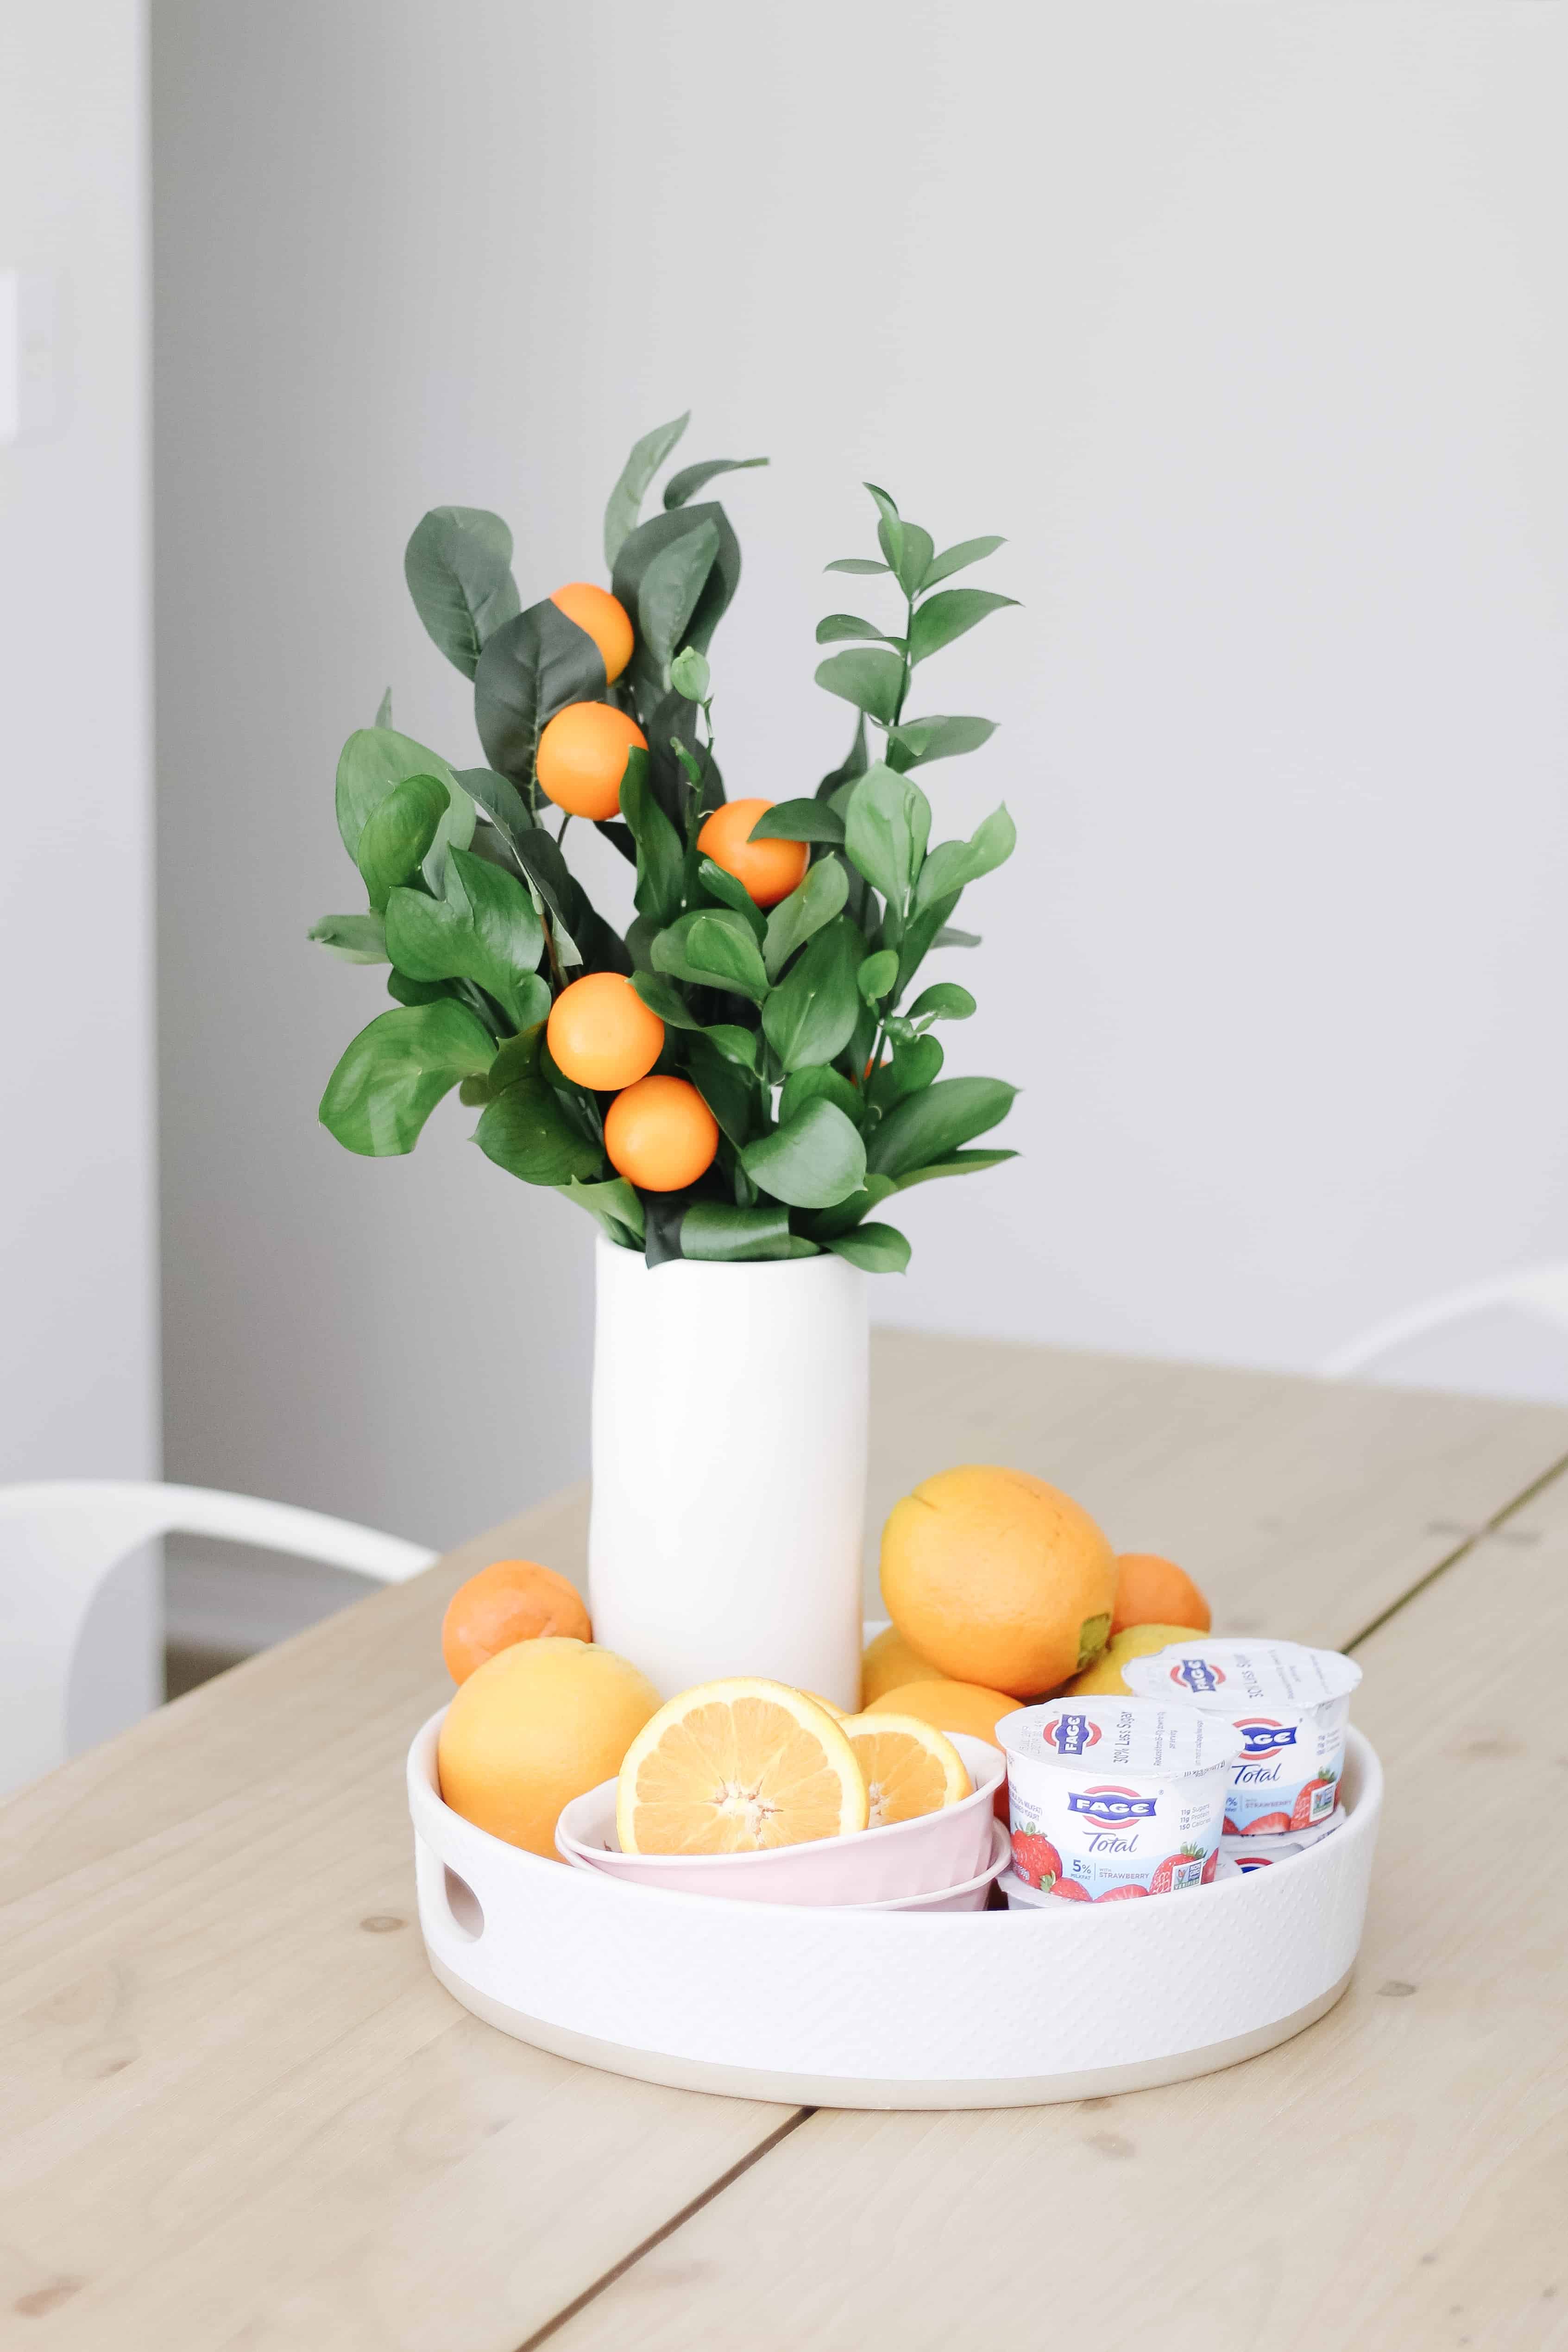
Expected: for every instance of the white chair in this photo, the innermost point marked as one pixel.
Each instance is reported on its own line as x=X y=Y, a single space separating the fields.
x=58 y=1543
x=1537 y=1292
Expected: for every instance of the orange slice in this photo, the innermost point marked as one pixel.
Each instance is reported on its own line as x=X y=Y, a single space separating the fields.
x=910 y=1768
x=738 y=1767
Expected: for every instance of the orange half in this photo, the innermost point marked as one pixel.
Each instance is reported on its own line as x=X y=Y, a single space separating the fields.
x=910 y=1767
x=738 y=1767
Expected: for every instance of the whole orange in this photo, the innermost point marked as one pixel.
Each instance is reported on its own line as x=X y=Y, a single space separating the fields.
x=581 y=758
x=510 y=1600
x=887 y=1664
x=767 y=871
x=660 y=1134
x=950 y=1705
x=602 y=1035
x=603 y=617
x=533 y=1728
x=1154 y=1592
x=998 y=1579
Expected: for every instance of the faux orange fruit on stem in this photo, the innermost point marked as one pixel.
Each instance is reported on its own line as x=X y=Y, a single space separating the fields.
x=1154 y=1592
x=660 y=1134
x=601 y=1034
x=581 y=758
x=998 y=1579
x=510 y=1600
x=767 y=871
x=534 y=1726
x=602 y=617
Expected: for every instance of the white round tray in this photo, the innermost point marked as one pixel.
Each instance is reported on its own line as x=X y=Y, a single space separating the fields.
x=866 y=2009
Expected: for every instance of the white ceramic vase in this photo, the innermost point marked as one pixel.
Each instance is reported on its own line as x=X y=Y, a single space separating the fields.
x=729 y=1412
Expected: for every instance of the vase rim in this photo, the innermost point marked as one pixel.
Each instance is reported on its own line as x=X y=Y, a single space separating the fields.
x=605 y=1248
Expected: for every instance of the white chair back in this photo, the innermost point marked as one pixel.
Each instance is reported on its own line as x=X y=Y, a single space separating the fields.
x=1539 y=1292
x=58 y=1543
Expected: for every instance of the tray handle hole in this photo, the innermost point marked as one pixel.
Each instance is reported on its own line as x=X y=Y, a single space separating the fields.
x=464 y=1906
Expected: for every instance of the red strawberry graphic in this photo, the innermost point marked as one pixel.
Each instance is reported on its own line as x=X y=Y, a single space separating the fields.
x=1072 y=1890
x=1036 y=1859
x=1267 y=1825
x=1304 y=1813
x=1119 y=1894
x=1210 y=1866
x=1165 y=1877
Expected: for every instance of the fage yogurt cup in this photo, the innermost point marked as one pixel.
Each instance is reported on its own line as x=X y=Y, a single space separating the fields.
x=1110 y=1798
x=1289 y=1705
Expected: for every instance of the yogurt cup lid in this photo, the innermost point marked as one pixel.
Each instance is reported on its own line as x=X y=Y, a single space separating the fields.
x=1155 y=1736
x=1224 y=1677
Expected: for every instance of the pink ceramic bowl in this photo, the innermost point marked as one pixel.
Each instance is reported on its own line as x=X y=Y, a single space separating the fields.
x=973 y=1897
x=932 y=1855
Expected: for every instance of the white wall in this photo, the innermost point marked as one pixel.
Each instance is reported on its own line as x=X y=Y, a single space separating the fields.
x=1246 y=325
x=77 y=1328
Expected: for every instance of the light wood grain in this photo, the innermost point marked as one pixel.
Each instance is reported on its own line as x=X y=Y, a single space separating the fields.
x=1394 y=2178
x=239 y=2111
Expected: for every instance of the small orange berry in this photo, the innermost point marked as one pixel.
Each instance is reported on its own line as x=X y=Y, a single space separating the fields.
x=602 y=617
x=767 y=870
x=660 y=1134
x=602 y=1035
x=582 y=757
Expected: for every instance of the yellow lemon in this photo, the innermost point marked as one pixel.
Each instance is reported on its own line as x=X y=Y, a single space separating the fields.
x=1136 y=1641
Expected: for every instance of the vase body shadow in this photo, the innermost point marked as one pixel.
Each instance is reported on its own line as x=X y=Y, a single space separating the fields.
x=729 y=1437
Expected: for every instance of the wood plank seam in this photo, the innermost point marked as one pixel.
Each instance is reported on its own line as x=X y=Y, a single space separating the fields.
x=666 y=2229
x=1494 y=1526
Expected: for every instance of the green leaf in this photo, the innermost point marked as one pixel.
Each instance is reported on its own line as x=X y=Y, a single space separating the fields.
x=917 y=742
x=713 y=947
x=500 y=799
x=670 y=589
x=724 y=1236
x=384 y=709
x=931 y=1124
x=944 y=1000
x=871 y=681
x=528 y=1130
x=660 y=856
x=813 y=1160
x=642 y=549
x=941 y=619
x=722 y=885
x=458 y=569
x=856 y=764
x=811 y=1015
x=953 y=865
x=836 y=626
x=692 y=478
x=957 y=1163
x=811 y=903
x=616 y=1205
x=799 y=821
x=877 y=973
x=828 y=1223
x=879 y=1249
x=889 y=529
x=737 y=1044
x=398 y=835
x=816 y=1081
x=729 y=1093
x=517 y=1057
x=416 y=991
x=959 y=559
x=626 y=499
x=357 y=938
x=914 y=1064
x=485 y=929
x=913 y=557
x=397 y=1071
x=860 y=565
x=662 y=996
x=689 y=674
x=373 y=762
x=531 y=669
x=947 y=937
x=885 y=832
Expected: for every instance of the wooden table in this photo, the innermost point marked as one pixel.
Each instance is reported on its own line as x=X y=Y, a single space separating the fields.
x=239 y=2114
